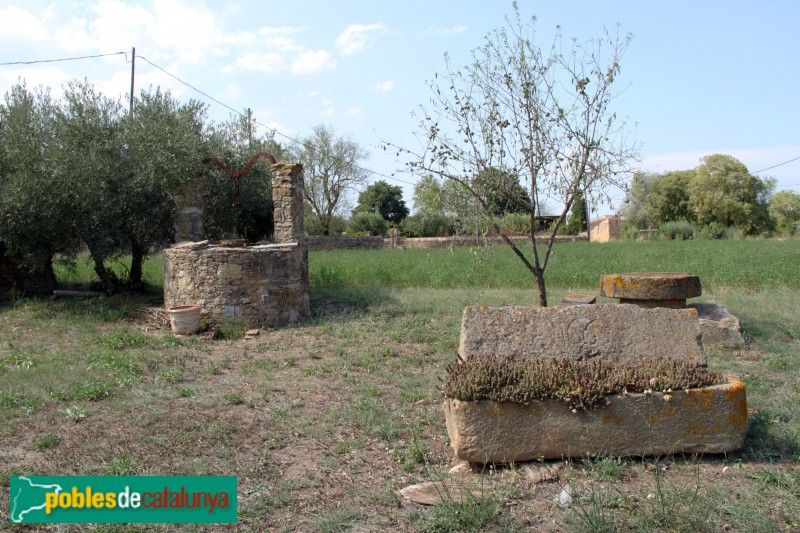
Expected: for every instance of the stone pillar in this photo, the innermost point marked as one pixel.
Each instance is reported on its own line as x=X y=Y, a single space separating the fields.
x=394 y=238
x=287 y=197
x=189 y=212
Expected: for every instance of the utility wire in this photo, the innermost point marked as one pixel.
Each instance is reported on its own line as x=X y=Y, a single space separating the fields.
x=61 y=59
x=776 y=166
x=273 y=130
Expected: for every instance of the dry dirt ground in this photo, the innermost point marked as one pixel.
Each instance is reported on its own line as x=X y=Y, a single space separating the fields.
x=325 y=422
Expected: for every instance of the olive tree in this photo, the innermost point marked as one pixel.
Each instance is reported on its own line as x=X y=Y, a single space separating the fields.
x=32 y=214
x=84 y=171
x=163 y=139
x=120 y=171
x=542 y=114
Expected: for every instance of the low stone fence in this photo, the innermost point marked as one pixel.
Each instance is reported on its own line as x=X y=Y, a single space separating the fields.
x=346 y=242
x=446 y=242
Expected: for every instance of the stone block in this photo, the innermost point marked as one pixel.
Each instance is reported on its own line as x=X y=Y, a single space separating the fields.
x=652 y=289
x=578 y=299
x=717 y=325
x=623 y=333
x=706 y=420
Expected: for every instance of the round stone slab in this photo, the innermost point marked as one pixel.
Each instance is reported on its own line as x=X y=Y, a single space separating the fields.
x=651 y=289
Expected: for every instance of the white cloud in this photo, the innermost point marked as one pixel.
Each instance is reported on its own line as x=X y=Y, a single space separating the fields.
x=447 y=32
x=328 y=112
x=354 y=112
x=357 y=37
x=276 y=126
x=18 y=23
x=269 y=63
x=232 y=92
x=309 y=62
x=280 y=38
x=274 y=31
x=326 y=102
x=46 y=76
x=385 y=86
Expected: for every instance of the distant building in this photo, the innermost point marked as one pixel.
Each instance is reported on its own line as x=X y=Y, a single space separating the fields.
x=607 y=228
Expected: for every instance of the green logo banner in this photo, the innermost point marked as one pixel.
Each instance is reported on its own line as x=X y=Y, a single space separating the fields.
x=123 y=499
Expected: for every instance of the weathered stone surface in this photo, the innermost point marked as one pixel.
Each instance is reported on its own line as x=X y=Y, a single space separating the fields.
x=538 y=473
x=578 y=299
x=287 y=196
x=431 y=493
x=706 y=420
x=717 y=325
x=259 y=286
x=624 y=333
x=255 y=286
x=652 y=289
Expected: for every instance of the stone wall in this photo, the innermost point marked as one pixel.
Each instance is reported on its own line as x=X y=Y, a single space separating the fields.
x=347 y=242
x=446 y=242
x=189 y=212
x=263 y=285
x=607 y=228
x=266 y=286
x=344 y=242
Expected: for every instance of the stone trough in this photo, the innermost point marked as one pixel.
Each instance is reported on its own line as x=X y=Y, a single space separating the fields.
x=704 y=420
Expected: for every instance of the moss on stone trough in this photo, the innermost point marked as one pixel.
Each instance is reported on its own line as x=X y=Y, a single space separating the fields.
x=580 y=384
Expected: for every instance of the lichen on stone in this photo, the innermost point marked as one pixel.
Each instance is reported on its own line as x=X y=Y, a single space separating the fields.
x=580 y=384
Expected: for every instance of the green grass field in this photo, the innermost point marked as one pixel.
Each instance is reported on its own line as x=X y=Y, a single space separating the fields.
x=324 y=421
x=747 y=264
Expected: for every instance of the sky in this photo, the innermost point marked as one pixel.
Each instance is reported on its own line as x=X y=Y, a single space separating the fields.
x=698 y=78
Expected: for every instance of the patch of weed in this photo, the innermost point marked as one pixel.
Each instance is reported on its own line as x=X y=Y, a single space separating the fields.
x=336 y=520
x=233 y=398
x=76 y=413
x=232 y=331
x=120 y=340
x=45 y=442
x=90 y=391
x=123 y=465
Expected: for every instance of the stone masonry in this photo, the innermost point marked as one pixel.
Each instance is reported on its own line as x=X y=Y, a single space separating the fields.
x=263 y=285
x=624 y=333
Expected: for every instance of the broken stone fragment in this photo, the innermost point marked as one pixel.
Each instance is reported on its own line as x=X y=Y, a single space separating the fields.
x=717 y=325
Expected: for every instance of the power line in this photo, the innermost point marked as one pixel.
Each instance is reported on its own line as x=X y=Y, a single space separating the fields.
x=190 y=86
x=60 y=59
x=776 y=166
x=273 y=130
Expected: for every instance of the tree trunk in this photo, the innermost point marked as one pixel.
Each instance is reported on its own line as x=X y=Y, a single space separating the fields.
x=135 y=274
x=102 y=273
x=539 y=274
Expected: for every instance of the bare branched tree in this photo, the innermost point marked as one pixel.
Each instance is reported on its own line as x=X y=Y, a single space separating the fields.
x=332 y=173
x=544 y=116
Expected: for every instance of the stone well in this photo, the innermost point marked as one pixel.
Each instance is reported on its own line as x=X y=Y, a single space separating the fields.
x=265 y=285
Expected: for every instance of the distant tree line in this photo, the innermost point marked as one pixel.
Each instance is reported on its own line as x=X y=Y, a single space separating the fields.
x=718 y=198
